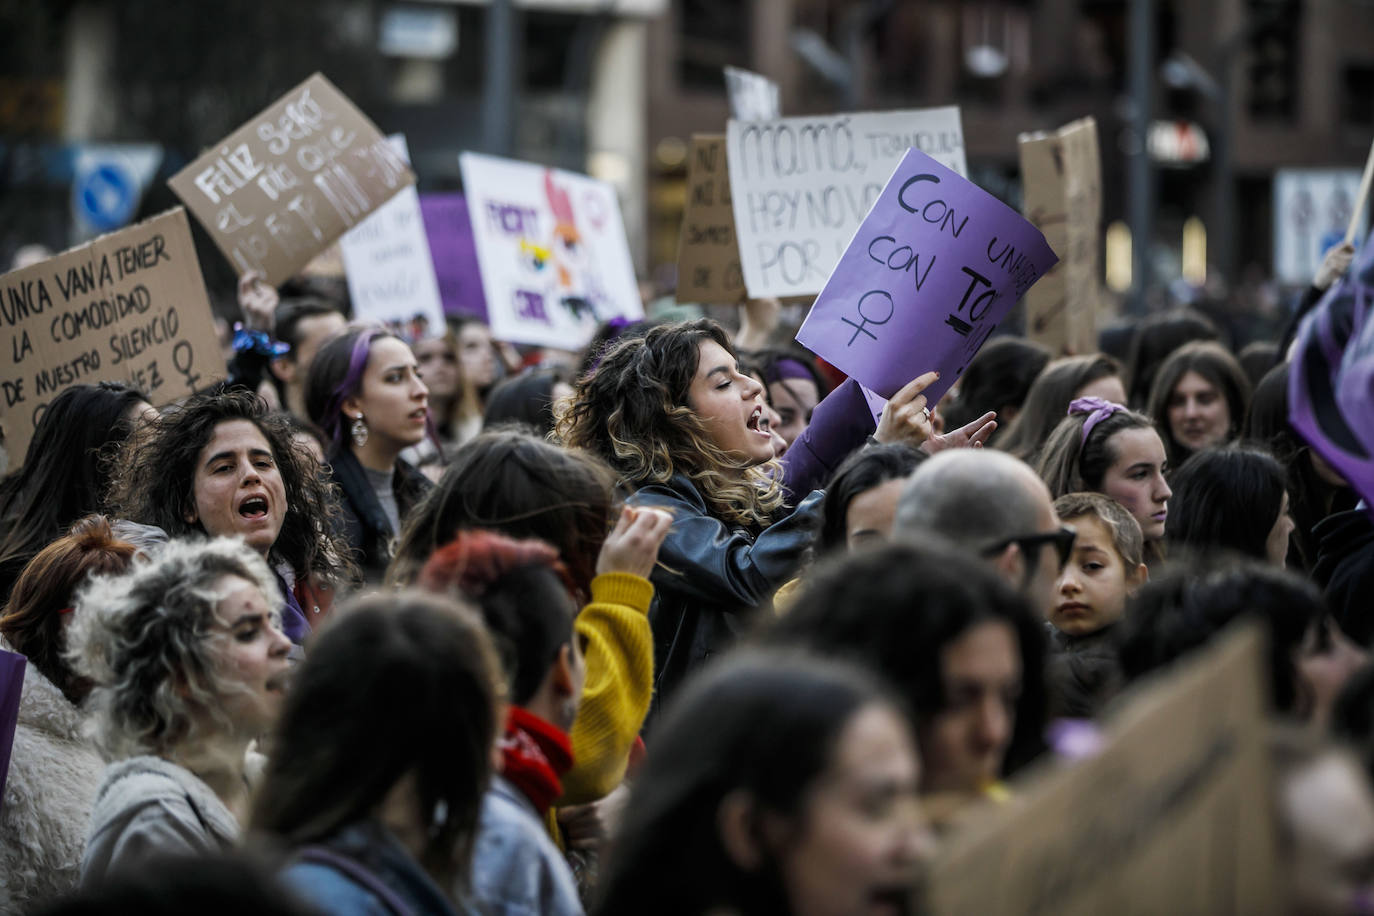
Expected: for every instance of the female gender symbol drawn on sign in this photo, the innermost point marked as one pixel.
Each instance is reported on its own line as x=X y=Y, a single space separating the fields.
x=866 y=319
x=183 y=357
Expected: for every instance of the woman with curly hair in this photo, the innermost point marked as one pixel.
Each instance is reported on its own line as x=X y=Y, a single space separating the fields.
x=220 y=465
x=189 y=665
x=54 y=768
x=674 y=416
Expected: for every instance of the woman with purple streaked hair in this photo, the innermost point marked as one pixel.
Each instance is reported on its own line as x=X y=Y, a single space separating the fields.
x=366 y=394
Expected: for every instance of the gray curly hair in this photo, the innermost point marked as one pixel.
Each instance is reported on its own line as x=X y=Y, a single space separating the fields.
x=146 y=639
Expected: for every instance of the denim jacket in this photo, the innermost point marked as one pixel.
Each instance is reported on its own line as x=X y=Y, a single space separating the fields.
x=711 y=575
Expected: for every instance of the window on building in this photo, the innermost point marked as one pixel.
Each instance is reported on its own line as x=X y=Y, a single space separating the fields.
x=1357 y=95
x=711 y=34
x=1274 y=65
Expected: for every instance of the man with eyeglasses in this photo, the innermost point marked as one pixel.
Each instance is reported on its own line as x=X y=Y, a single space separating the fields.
x=997 y=508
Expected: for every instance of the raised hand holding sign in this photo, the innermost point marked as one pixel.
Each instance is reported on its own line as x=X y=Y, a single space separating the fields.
x=936 y=264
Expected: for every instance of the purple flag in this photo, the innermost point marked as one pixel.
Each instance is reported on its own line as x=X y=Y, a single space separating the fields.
x=454 y=254
x=933 y=268
x=1331 y=382
x=12 y=666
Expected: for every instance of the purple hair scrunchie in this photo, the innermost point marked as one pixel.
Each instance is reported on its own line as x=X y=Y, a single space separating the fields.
x=1097 y=410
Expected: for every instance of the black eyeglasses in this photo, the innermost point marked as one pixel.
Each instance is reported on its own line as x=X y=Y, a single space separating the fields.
x=1030 y=544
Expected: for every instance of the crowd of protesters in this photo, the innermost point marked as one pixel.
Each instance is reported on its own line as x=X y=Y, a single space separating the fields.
x=431 y=626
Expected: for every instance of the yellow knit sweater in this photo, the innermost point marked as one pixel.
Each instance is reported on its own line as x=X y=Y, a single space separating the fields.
x=619 y=651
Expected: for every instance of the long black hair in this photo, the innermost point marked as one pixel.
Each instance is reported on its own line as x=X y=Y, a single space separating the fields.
x=65 y=473
x=400 y=685
x=894 y=608
x=1225 y=499
x=761 y=723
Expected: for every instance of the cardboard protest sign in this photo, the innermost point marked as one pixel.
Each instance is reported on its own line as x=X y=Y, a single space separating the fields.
x=708 y=269
x=282 y=187
x=752 y=96
x=387 y=261
x=1331 y=372
x=552 y=248
x=454 y=253
x=129 y=306
x=801 y=186
x=1170 y=816
x=935 y=266
x=12 y=666
x=1061 y=173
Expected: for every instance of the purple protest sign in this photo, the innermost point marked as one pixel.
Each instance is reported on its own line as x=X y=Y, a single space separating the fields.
x=454 y=253
x=1332 y=371
x=933 y=268
x=12 y=667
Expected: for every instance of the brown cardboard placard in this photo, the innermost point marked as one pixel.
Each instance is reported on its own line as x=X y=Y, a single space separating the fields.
x=708 y=266
x=284 y=186
x=1172 y=816
x=1061 y=175
x=130 y=306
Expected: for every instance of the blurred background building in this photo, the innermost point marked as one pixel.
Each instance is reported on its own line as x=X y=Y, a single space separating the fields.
x=1240 y=90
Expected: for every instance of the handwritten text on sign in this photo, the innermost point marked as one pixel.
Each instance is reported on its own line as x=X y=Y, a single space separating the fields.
x=130 y=306
x=932 y=270
x=283 y=187
x=708 y=267
x=801 y=186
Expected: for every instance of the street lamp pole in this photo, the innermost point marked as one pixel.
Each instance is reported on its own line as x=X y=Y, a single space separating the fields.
x=1140 y=174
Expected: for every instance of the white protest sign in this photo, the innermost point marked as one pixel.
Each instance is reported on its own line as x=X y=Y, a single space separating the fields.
x=552 y=249
x=801 y=186
x=1312 y=210
x=753 y=97
x=387 y=260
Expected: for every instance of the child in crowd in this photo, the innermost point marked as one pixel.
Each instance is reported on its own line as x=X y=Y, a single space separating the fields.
x=1106 y=567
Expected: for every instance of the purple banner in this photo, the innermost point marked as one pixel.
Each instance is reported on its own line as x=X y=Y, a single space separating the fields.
x=12 y=666
x=1332 y=370
x=936 y=264
x=454 y=254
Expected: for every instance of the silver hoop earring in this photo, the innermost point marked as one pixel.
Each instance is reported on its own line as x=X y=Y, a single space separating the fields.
x=358 y=431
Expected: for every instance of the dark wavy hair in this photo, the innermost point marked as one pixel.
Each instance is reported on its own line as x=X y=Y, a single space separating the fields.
x=153 y=480
x=632 y=413
x=45 y=593
x=525 y=400
x=760 y=723
x=1213 y=362
x=1198 y=596
x=1155 y=340
x=856 y=475
x=398 y=685
x=894 y=608
x=1225 y=499
x=523 y=487
x=65 y=474
x=1000 y=376
x=1048 y=401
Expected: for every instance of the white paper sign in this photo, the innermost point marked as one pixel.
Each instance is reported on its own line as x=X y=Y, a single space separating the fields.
x=753 y=97
x=552 y=249
x=386 y=258
x=1312 y=210
x=801 y=186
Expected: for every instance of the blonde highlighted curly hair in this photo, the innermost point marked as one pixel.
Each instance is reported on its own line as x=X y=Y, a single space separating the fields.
x=631 y=411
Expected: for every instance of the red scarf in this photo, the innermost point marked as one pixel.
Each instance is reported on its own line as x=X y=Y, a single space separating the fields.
x=534 y=755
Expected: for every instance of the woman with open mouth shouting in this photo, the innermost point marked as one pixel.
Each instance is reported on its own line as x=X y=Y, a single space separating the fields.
x=365 y=393
x=220 y=465
x=189 y=665
x=674 y=416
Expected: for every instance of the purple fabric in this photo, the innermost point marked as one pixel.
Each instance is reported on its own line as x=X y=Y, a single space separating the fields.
x=293 y=620
x=936 y=264
x=454 y=253
x=1329 y=393
x=12 y=666
x=787 y=368
x=1097 y=409
x=840 y=423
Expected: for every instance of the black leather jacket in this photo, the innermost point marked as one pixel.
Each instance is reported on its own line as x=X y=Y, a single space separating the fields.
x=712 y=575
